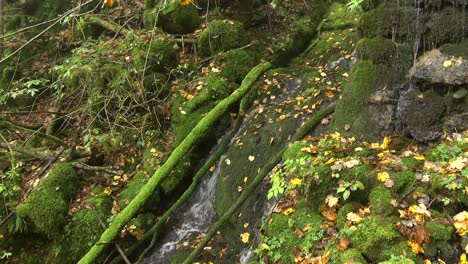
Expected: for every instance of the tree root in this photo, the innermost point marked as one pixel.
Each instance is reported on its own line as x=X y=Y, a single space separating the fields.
x=201 y=128
x=300 y=133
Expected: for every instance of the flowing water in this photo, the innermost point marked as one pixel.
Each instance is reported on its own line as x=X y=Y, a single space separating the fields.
x=195 y=215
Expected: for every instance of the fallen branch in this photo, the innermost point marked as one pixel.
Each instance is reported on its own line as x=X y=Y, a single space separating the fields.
x=50 y=138
x=300 y=133
x=27 y=152
x=114 y=27
x=85 y=166
x=192 y=138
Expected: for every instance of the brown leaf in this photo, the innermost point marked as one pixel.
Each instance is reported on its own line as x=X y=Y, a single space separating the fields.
x=343 y=244
x=298 y=232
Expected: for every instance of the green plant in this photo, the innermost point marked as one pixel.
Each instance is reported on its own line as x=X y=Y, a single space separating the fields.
x=292 y=168
x=347 y=187
x=354 y=6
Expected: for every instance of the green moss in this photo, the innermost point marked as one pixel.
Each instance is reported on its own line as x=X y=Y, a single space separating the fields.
x=380 y=199
x=182 y=20
x=82 y=231
x=280 y=237
x=47 y=205
x=162 y=55
x=341 y=217
x=133 y=188
x=373 y=233
x=220 y=35
x=186 y=114
x=402 y=261
x=318 y=186
x=350 y=109
x=338 y=17
x=142 y=222
x=439 y=231
x=351 y=255
x=236 y=63
x=411 y=163
x=447 y=26
x=455 y=49
x=294 y=151
x=377 y=50
x=179 y=256
x=403 y=180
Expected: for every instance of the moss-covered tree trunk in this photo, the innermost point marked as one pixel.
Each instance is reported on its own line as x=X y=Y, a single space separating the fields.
x=1 y=33
x=200 y=129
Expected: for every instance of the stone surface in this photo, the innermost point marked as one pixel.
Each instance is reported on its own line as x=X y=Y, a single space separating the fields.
x=437 y=68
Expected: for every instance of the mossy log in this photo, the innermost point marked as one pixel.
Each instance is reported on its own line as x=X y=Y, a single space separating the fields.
x=200 y=129
x=92 y=19
x=300 y=133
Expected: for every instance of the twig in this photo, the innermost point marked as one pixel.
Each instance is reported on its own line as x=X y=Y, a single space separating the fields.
x=27 y=152
x=42 y=32
x=54 y=158
x=6 y=218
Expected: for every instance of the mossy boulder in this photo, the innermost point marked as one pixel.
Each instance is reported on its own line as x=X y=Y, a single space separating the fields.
x=47 y=205
x=220 y=35
x=374 y=232
x=236 y=63
x=380 y=200
x=83 y=229
x=351 y=255
x=182 y=20
x=377 y=50
x=161 y=53
x=351 y=109
x=341 y=218
x=279 y=234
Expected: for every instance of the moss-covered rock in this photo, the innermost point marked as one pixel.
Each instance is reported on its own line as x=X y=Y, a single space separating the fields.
x=47 y=205
x=374 y=232
x=220 y=35
x=279 y=234
x=160 y=55
x=350 y=110
x=380 y=200
x=236 y=63
x=455 y=49
x=377 y=50
x=182 y=20
x=82 y=230
x=341 y=217
x=351 y=255
x=294 y=151
x=403 y=180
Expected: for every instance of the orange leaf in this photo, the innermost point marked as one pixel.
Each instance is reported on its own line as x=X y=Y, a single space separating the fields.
x=343 y=244
x=108 y=3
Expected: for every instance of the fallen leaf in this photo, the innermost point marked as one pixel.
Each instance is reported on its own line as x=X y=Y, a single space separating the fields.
x=228 y=161
x=331 y=201
x=245 y=237
x=251 y=158
x=458 y=164
x=353 y=217
x=447 y=63
x=385 y=142
x=108 y=3
x=298 y=232
x=351 y=163
x=415 y=247
x=288 y=211
x=383 y=176
x=343 y=244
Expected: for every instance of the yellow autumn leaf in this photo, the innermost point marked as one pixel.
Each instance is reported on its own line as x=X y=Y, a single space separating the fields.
x=245 y=237
x=353 y=217
x=107 y=191
x=419 y=157
x=385 y=142
x=415 y=247
x=383 y=176
x=458 y=164
x=447 y=63
x=288 y=211
x=295 y=181
x=330 y=161
x=462 y=259
x=108 y=3
x=251 y=158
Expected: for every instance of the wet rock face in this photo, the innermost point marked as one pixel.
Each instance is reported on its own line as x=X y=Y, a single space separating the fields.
x=435 y=99
x=421 y=114
x=436 y=68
